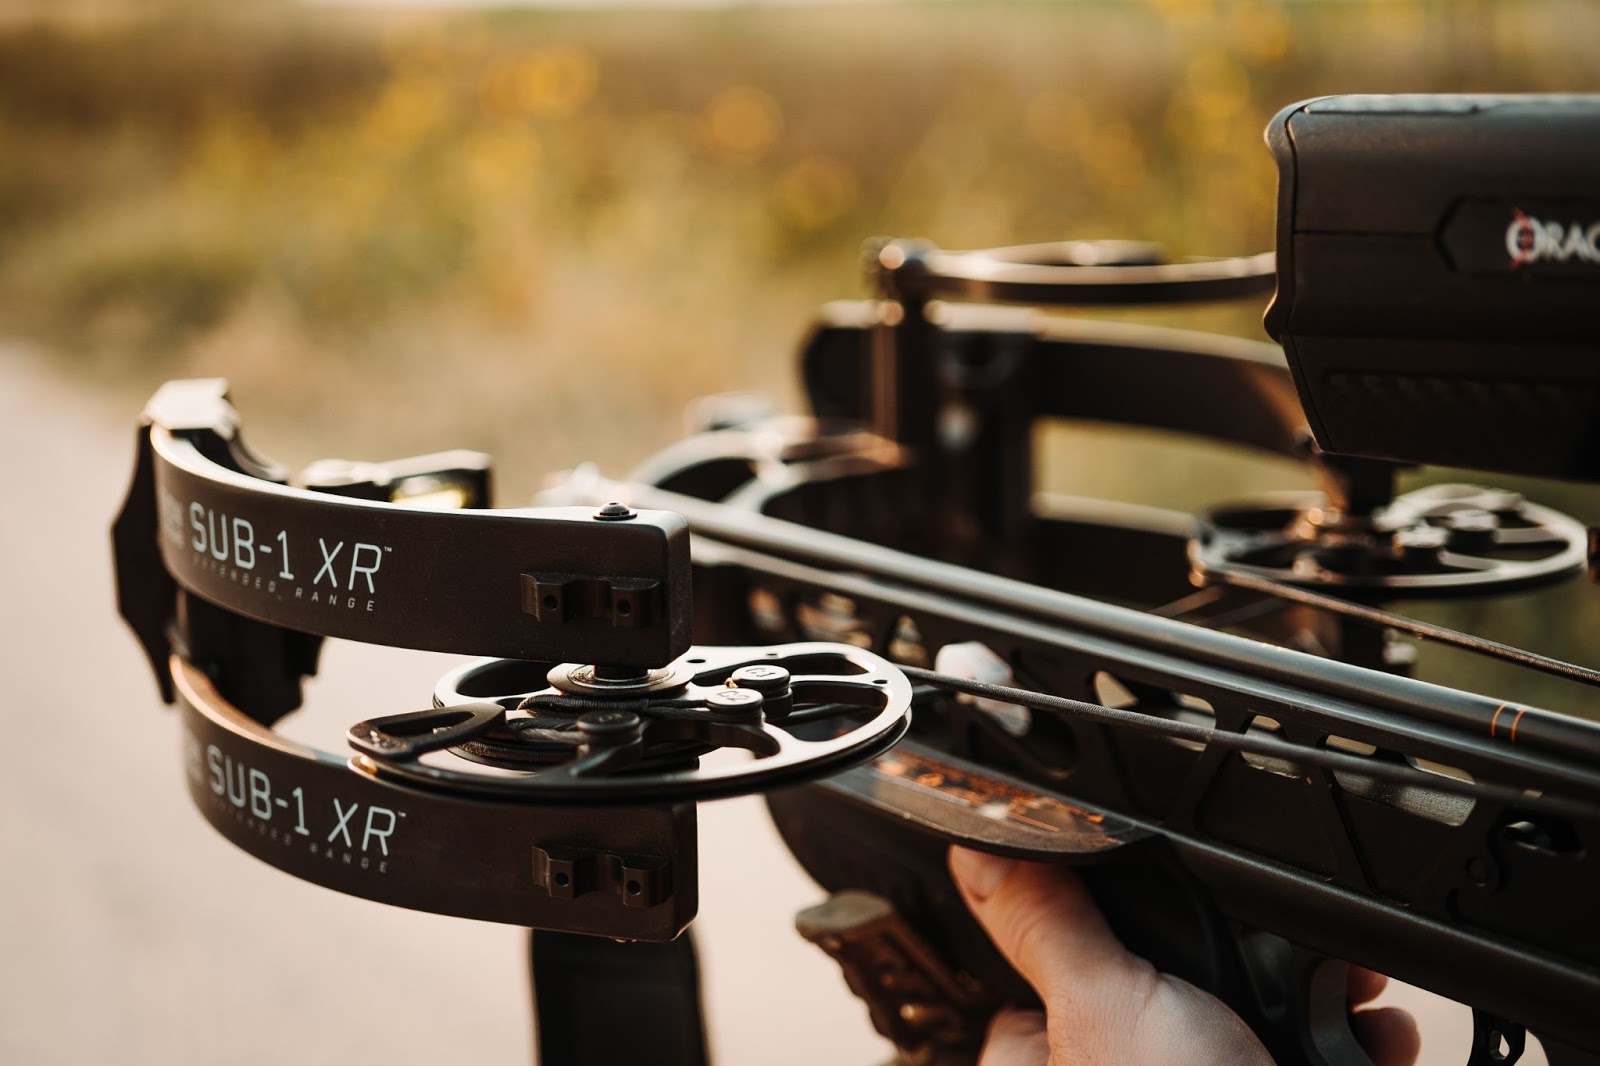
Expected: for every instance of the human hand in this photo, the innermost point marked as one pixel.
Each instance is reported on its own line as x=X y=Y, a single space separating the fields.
x=1105 y=1005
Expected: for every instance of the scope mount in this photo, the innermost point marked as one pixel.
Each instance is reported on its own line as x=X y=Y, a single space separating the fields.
x=1064 y=274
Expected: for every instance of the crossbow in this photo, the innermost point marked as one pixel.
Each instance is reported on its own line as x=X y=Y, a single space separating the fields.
x=871 y=616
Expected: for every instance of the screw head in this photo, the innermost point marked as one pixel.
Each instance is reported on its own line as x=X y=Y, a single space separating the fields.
x=1472 y=520
x=615 y=512
x=1420 y=540
x=1472 y=530
x=610 y=727
x=739 y=703
x=763 y=677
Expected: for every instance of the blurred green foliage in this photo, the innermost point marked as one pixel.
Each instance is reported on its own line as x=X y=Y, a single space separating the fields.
x=542 y=233
x=360 y=199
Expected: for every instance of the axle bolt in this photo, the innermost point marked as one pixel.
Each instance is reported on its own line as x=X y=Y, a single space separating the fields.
x=1420 y=542
x=610 y=728
x=1472 y=530
x=765 y=678
x=735 y=704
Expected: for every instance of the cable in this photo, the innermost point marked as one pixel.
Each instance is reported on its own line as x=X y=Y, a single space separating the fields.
x=1267 y=746
x=1425 y=630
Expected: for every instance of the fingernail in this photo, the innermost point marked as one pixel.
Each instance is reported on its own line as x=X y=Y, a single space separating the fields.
x=978 y=872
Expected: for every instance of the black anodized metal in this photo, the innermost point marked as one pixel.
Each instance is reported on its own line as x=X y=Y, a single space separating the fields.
x=1447 y=894
x=1152 y=636
x=458 y=581
x=1439 y=258
x=309 y=814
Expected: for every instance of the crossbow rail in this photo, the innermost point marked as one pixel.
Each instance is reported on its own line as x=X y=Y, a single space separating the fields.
x=1252 y=816
x=1256 y=790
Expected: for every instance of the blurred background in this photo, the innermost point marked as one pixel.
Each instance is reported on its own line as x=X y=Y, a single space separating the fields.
x=394 y=227
x=540 y=232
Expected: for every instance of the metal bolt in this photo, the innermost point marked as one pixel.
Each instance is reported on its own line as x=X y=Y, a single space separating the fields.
x=763 y=677
x=615 y=512
x=735 y=703
x=1420 y=541
x=609 y=727
x=1472 y=530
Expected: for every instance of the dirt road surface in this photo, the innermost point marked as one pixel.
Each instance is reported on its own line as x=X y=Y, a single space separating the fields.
x=131 y=934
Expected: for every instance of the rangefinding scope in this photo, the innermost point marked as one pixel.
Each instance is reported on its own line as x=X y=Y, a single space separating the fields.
x=1439 y=277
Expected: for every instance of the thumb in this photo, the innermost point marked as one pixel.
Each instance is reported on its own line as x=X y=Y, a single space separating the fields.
x=1016 y=1038
x=1045 y=923
x=1104 y=1004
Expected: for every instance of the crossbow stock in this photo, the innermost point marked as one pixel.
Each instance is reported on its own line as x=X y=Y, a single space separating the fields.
x=908 y=646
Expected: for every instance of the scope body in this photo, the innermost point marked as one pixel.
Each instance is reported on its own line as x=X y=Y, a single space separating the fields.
x=1439 y=277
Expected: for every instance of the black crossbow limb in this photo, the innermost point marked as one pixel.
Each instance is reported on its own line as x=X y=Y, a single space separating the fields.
x=1211 y=717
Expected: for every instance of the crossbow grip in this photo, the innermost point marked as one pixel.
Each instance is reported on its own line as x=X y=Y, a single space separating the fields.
x=1294 y=999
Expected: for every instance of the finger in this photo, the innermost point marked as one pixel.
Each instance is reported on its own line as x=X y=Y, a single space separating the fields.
x=1043 y=920
x=1388 y=1034
x=1016 y=1038
x=1366 y=985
